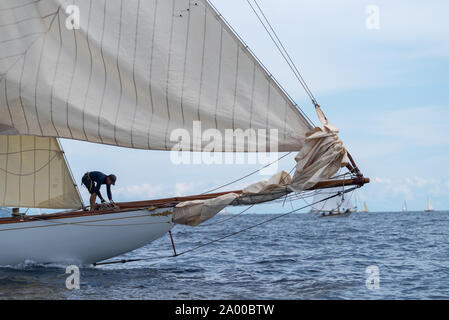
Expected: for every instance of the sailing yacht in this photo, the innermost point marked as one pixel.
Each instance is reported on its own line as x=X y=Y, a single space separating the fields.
x=365 y=207
x=429 y=206
x=404 y=207
x=339 y=206
x=149 y=75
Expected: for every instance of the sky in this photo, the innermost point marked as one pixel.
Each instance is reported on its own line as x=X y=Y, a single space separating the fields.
x=385 y=85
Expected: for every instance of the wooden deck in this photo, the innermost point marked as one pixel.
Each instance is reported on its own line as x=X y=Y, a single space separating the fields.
x=161 y=203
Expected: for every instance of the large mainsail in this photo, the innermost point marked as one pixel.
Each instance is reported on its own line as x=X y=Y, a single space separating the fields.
x=133 y=72
x=33 y=173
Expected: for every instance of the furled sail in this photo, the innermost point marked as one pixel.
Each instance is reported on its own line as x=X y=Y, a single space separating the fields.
x=34 y=174
x=134 y=72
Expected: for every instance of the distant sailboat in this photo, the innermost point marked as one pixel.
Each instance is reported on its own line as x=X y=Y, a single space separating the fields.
x=404 y=207
x=429 y=206
x=365 y=208
x=334 y=207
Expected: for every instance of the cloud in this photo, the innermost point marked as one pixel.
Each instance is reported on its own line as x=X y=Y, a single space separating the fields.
x=382 y=180
x=183 y=189
x=395 y=131
x=330 y=38
x=423 y=125
x=420 y=182
x=411 y=187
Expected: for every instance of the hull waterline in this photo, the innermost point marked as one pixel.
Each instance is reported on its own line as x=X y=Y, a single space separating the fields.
x=336 y=215
x=83 y=239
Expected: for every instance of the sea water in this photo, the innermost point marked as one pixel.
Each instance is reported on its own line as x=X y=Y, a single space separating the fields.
x=365 y=256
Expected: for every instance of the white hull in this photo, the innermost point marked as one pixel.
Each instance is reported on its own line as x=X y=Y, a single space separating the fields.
x=81 y=240
x=335 y=215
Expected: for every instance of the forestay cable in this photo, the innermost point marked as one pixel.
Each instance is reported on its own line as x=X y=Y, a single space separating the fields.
x=224 y=237
x=278 y=43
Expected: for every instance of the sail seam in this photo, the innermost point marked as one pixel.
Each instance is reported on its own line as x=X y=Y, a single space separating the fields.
x=202 y=64
x=185 y=64
x=219 y=76
x=235 y=86
x=278 y=87
x=105 y=74
x=119 y=73
x=20 y=6
x=54 y=75
x=150 y=85
x=134 y=73
x=90 y=70
x=168 y=73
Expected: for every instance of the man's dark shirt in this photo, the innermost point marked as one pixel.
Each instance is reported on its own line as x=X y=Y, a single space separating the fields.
x=100 y=178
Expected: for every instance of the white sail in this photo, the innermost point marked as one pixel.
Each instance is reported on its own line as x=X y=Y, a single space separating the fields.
x=34 y=174
x=404 y=207
x=365 y=207
x=429 y=205
x=132 y=73
x=335 y=204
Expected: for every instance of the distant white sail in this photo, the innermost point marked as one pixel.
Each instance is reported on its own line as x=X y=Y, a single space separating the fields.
x=365 y=207
x=429 y=206
x=404 y=207
x=336 y=204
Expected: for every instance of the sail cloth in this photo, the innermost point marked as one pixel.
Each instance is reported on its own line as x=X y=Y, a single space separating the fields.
x=195 y=212
x=34 y=174
x=321 y=157
x=138 y=73
x=341 y=203
x=134 y=72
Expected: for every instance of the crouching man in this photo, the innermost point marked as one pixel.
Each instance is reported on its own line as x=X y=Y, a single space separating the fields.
x=93 y=181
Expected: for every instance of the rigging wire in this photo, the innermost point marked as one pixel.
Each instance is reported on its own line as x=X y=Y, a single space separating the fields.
x=230 y=218
x=246 y=176
x=281 y=48
x=223 y=237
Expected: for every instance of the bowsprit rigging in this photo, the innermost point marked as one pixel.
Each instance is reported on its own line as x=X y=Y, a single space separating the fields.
x=338 y=194
x=130 y=79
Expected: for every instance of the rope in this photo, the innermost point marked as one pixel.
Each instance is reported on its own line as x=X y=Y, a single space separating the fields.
x=221 y=238
x=225 y=220
x=23 y=151
x=283 y=51
x=32 y=173
x=246 y=176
